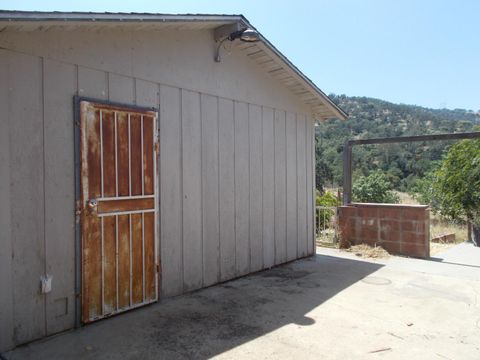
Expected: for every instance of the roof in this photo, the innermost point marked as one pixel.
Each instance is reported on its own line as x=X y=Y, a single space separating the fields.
x=263 y=52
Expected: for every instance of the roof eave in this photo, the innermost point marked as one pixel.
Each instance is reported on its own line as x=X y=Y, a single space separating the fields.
x=11 y=16
x=64 y=17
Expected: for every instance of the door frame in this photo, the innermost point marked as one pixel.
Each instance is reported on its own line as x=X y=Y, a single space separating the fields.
x=77 y=170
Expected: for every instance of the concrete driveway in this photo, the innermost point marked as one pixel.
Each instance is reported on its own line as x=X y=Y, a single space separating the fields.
x=331 y=306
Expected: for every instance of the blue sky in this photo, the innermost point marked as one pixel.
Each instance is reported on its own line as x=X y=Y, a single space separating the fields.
x=406 y=51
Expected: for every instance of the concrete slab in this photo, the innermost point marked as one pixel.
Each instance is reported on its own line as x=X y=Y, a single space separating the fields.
x=330 y=306
x=464 y=254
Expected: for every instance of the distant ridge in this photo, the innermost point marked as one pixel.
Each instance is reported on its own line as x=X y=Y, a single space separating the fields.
x=373 y=118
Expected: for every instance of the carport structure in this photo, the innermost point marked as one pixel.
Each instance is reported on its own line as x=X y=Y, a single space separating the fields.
x=400 y=229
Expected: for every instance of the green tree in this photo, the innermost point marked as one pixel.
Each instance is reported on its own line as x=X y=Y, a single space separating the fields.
x=403 y=163
x=374 y=188
x=456 y=185
x=325 y=204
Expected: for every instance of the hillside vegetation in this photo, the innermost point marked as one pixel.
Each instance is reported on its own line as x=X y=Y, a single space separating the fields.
x=403 y=164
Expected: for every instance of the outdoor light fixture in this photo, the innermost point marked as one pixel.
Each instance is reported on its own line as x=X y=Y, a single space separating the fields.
x=246 y=35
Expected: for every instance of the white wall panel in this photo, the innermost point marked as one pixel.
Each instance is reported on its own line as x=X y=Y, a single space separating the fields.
x=301 y=187
x=27 y=191
x=268 y=187
x=291 y=144
x=242 y=189
x=310 y=154
x=256 y=187
x=227 y=188
x=171 y=239
x=6 y=295
x=192 y=191
x=210 y=190
x=280 y=188
x=60 y=82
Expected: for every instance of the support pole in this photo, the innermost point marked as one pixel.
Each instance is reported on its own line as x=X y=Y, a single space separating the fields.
x=347 y=152
x=347 y=173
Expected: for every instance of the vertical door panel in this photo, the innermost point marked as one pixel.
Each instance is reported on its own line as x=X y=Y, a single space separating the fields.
x=149 y=238
x=123 y=261
x=123 y=161
x=136 y=154
x=110 y=264
x=137 y=259
x=108 y=150
x=118 y=207
x=148 y=133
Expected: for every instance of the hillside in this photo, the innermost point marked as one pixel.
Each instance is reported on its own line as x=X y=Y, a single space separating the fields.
x=371 y=118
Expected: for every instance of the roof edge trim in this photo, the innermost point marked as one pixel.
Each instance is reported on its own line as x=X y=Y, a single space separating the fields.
x=58 y=16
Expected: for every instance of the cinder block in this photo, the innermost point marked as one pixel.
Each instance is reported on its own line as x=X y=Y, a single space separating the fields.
x=391 y=213
x=367 y=212
x=389 y=224
x=392 y=235
x=368 y=232
x=414 y=250
x=393 y=247
x=414 y=237
x=414 y=214
x=347 y=211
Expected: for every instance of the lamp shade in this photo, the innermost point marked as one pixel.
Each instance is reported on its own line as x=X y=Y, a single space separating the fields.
x=249 y=35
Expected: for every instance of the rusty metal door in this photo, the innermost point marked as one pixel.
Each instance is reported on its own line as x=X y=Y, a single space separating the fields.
x=118 y=209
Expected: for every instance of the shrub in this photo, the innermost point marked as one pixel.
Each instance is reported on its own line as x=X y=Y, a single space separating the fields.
x=324 y=216
x=456 y=186
x=374 y=188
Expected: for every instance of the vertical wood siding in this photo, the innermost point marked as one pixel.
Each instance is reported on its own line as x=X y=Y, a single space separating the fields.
x=192 y=191
x=292 y=192
x=59 y=177
x=226 y=158
x=268 y=188
x=6 y=270
x=236 y=186
x=242 y=189
x=280 y=186
x=171 y=204
x=210 y=192
x=255 y=195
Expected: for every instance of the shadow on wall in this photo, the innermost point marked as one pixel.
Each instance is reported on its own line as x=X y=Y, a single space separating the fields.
x=213 y=320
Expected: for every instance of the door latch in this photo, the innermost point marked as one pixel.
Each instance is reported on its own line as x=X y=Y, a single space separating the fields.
x=92 y=206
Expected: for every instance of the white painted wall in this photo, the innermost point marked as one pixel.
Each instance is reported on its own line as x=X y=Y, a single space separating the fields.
x=235 y=168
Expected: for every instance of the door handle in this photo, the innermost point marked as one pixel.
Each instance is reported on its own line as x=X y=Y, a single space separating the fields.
x=92 y=205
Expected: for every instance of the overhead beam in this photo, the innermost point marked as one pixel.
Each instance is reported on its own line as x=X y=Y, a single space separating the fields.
x=347 y=152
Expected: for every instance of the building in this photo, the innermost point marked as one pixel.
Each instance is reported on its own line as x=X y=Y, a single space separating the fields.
x=136 y=167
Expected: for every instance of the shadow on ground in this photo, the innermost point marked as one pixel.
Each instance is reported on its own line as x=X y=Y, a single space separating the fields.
x=210 y=321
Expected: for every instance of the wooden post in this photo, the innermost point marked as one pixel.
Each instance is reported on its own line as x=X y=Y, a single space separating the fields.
x=347 y=173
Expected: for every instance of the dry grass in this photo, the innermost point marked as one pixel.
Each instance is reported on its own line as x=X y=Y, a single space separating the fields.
x=438 y=227
x=406 y=198
x=367 y=251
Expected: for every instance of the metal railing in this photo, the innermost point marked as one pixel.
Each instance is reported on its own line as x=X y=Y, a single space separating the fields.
x=326 y=225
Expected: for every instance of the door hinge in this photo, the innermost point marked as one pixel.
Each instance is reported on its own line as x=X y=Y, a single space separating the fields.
x=78 y=210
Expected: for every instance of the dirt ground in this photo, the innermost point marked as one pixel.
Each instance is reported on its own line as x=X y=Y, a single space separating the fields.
x=330 y=306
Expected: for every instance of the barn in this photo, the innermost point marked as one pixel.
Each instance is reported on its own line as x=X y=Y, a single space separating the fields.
x=143 y=156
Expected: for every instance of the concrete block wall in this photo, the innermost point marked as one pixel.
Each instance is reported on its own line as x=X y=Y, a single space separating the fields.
x=399 y=229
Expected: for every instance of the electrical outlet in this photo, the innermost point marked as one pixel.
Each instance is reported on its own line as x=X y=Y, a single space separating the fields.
x=46 y=283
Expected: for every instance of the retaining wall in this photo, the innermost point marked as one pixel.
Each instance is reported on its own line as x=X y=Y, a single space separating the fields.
x=399 y=229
